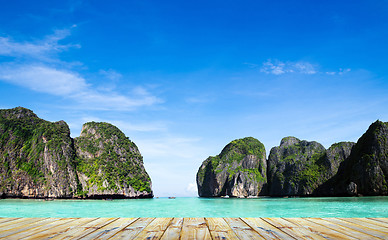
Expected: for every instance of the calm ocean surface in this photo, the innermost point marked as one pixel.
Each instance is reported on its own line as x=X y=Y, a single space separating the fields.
x=199 y=207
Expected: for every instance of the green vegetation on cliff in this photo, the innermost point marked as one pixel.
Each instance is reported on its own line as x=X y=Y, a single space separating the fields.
x=39 y=159
x=298 y=167
x=30 y=144
x=24 y=133
x=109 y=159
x=241 y=162
x=238 y=149
x=365 y=171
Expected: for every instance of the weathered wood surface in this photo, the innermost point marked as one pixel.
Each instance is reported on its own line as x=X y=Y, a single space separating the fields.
x=193 y=228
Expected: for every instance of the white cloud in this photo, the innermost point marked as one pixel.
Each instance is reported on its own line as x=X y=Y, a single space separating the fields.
x=111 y=74
x=340 y=71
x=304 y=67
x=343 y=71
x=41 y=50
x=96 y=100
x=330 y=73
x=42 y=71
x=277 y=67
x=44 y=79
x=269 y=67
x=70 y=85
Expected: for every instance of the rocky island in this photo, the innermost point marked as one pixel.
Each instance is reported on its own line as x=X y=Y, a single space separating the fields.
x=39 y=159
x=238 y=171
x=299 y=168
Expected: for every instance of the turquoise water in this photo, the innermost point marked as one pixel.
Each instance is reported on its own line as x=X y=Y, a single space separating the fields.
x=199 y=207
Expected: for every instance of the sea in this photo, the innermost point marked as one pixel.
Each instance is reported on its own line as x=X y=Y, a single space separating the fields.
x=199 y=207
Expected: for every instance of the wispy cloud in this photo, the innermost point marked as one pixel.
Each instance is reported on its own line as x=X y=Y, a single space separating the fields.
x=36 y=67
x=68 y=84
x=278 y=67
x=44 y=79
x=42 y=50
x=111 y=74
x=340 y=71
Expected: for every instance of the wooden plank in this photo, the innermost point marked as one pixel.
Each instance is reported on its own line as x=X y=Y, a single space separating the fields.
x=155 y=229
x=380 y=220
x=195 y=228
x=82 y=230
x=21 y=228
x=3 y=220
x=292 y=229
x=368 y=223
x=174 y=230
x=265 y=229
x=319 y=229
x=133 y=229
x=110 y=229
x=38 y=229
x=57 y=230
x=361 y=228
x=63 y=230
x=220 y=229
x=17 y=223
x=242 y=229
x=340 y=228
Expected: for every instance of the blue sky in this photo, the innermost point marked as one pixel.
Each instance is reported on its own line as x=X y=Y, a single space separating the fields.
x=184 y=78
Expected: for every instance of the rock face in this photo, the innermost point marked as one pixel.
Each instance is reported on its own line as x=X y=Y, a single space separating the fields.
x=238 y=171
x=297 y=168
x=294 y=167
x=365 y=171
x=335 y=155
x=38 y=159
x=109 y=163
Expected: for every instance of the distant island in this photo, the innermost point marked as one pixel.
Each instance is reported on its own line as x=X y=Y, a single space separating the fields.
x=39 y=159
x=299 y=168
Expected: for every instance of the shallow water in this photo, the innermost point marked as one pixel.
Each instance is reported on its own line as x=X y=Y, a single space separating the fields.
x=199 y=207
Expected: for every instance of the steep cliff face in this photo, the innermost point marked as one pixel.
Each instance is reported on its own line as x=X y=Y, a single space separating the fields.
x=335 y=155
x=365 y=171
x=109 y=164
x=297 y=168
x=239 y=171
x=38 y=159
x=36 y=156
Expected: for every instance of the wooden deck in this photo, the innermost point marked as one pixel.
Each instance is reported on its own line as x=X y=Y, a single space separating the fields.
x=193 y=228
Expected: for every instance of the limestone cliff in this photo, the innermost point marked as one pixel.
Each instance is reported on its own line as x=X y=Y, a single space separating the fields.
x=239 y=171
x=297 y=168
x=109 y=164
x=36 y=156
x=365 y=171
x=38 y=159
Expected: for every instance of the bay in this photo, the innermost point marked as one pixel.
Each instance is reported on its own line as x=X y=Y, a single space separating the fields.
x=199 y=207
